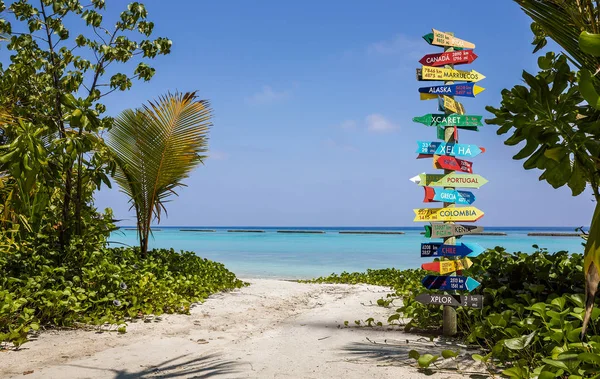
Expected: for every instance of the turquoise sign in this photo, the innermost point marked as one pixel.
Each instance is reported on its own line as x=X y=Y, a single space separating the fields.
x=453 y=149
x=449 y=196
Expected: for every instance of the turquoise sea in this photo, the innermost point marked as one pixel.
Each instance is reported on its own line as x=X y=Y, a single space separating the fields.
x=296 y=256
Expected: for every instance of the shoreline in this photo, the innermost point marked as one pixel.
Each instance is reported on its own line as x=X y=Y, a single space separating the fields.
x=272 y=328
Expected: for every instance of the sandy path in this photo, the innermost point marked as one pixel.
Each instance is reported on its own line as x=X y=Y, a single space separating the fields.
x=272 y=329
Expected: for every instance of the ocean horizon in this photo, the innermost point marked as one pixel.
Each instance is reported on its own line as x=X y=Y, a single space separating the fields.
x=301 y=256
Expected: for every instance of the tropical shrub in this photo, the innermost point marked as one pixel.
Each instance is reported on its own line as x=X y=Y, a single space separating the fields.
x=41 y=288
x=531 y=322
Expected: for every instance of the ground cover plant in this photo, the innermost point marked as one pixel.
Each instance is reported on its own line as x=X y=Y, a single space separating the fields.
x=102 y=286
x=531 y=322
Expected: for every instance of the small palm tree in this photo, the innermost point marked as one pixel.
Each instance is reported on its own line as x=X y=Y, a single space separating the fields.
x=155 y=148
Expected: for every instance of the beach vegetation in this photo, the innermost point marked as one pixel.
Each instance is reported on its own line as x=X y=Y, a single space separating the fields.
x=531 y=321
x=65 y=59
x=56 y=270
x=101 y=288
x=556 y=112
x=155 y=148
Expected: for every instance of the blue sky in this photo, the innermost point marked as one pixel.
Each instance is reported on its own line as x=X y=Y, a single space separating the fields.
x=313 y=104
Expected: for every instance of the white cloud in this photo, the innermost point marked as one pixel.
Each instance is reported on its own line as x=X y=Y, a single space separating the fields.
x=378 y=124
x=348 y=125
x=342 y=146
x=400 y=45
x=217 y=155
x=268 y=96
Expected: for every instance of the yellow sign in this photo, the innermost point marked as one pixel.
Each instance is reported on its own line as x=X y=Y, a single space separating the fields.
x=449 y=74
x=461 y=214
x=445 y=39
x=453 y=105
x=447 y=267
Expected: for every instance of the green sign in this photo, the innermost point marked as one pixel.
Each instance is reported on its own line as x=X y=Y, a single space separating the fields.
x=429 y=38
x=461 y=121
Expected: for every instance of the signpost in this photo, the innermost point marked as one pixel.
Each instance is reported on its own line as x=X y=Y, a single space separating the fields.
x=429 y=39
x=452 y=57
x=448 y=267
x=462 y=89
x=448 y=74
x=449 y=180
x=448 y=196
x=450 y=283
x=447 y=162
x=473 y=301
x=462 y=214
x=456 y=204
x=453 y=149
x=439 y=249
x=449 y=104
x=448 y=39
x=468 y=122
x=437 y=230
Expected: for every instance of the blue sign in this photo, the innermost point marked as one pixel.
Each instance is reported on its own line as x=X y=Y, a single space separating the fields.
x=452 y=149
x=453 y=196
x=450 y=283
x=438 y=249
x=462 y=89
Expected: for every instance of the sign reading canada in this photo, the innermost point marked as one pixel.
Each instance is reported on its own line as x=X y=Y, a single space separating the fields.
x=451 y=57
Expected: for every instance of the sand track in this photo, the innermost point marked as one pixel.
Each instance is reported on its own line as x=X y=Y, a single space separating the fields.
x=271 y=329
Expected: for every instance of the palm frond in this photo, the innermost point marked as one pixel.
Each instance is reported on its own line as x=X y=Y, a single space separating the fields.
x=563 y=21
x=156 y=147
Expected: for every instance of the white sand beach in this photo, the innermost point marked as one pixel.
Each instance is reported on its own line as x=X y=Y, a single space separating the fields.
x=271 y=329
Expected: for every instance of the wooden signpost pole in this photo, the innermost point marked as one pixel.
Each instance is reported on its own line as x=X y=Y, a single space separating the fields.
x=449 y=313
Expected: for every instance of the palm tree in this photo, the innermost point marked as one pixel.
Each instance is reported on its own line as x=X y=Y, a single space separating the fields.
x=565 y=21
x=155 y=148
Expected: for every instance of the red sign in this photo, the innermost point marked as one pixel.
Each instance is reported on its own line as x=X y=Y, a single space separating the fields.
x=451 y=163
x=451 y=57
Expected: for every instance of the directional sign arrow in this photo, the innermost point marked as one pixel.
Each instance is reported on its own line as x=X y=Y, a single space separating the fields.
x=450 y=283
x=452 y=149
x=446 y=103
x=473 y=301
x=436 y=230
x=461 y=89
x=448 y=196
x=451 y=57
x=439 y=249
x=447 y=267
x=429 y=39
x=449 y=180
x=462 y=214
x=461 y=121
x=447 y=162
x=446 y=39
x=448 y=74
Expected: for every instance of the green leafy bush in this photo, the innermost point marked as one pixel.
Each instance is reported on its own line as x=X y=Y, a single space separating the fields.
x=530 y=325
x=40 y=288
